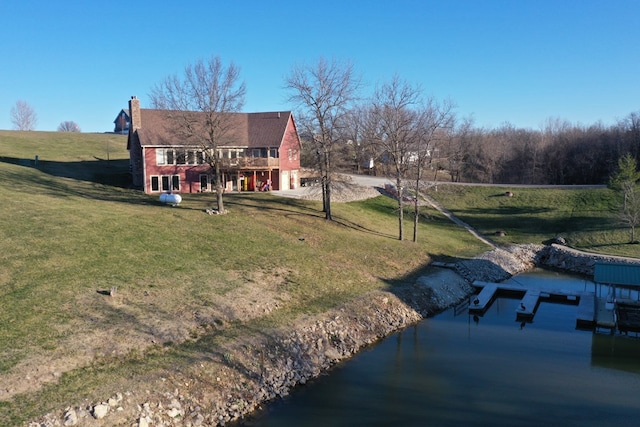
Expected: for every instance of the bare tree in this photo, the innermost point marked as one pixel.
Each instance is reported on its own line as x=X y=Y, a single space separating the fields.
x=630 y=213
x=214 y=90
x=323 y=92
x=457 y=148
x=68 y=126
x=23 y=116
x=393 y=123
x=433 y=122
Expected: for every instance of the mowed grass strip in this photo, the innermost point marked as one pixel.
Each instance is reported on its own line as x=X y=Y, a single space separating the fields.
x=71 y=231
x=585 y=217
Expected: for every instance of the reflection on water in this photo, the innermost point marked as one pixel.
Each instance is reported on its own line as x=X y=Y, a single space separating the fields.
x=453 y=371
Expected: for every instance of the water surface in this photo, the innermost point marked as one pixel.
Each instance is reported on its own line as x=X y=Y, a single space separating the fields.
x=492 y=370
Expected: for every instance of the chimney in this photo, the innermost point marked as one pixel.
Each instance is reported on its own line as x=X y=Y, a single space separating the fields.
x=134 y=114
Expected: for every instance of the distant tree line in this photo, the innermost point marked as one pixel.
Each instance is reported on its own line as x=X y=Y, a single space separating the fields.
x=559 y=153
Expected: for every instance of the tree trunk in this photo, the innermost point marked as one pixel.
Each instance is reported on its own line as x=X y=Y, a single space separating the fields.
x=219 y=187
x=327 y=183
x=416 y=203
x=416 y=216
x=400 y=192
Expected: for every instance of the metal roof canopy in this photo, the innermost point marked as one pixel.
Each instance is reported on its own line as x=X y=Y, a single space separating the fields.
x=617 y=274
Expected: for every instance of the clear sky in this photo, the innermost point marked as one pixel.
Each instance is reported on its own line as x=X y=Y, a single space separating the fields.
x=516 y=61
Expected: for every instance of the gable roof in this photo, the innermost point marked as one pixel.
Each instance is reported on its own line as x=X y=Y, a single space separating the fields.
x=126 y=113
x=252 y=130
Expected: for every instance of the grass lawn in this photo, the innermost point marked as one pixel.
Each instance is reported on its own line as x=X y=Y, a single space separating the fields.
x=585 y=217
x=72 y=230
x=187 y=281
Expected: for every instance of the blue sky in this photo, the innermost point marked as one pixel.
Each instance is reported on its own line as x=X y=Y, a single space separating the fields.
x=516 y=61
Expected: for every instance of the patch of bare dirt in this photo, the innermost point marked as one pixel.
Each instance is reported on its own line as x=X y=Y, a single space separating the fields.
x=129 y=321
x=343 y=189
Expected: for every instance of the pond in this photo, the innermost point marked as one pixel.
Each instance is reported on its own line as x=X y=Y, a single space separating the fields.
x=454 y=370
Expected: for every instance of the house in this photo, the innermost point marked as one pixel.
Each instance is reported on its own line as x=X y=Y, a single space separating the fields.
x=122 y=122
x=261 y=150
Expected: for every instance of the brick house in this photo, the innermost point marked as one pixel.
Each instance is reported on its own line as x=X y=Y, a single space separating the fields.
x=260 y=149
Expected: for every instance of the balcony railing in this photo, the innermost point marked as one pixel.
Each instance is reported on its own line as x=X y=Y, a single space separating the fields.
x=250 y=162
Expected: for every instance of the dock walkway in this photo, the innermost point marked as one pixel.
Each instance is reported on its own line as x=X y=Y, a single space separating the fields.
x=481 y=301
x=592 y=311
x=529 y=304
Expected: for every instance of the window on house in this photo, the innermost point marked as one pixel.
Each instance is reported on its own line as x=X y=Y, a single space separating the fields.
x=204 y=183
x=273 y=153
x=170 y=157
x=181 y=157
x=160 y=156
x=191 y=157
x=165 y=182
x=290 y=154
x=259 y=153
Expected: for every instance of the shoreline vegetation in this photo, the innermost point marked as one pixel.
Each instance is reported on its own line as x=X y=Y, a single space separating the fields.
x=118 y=310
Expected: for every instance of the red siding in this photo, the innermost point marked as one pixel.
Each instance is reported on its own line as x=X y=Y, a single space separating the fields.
x=189 y=174
x=290 y=143
x=289 y=162
x=290 y=154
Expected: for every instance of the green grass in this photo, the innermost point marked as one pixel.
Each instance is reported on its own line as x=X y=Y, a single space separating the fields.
x=71 y=230
x=585 y=217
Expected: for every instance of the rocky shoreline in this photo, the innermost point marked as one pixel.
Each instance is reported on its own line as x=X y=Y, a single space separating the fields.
x=258 y=370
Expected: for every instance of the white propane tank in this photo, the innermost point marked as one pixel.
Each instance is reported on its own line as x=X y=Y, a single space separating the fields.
x=170 y=198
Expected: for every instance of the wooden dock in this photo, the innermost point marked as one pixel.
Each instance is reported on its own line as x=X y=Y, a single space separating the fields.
x=605 y=316
x=480 y=302
x=527 y=307
x=586 y=317
x=628 y=315
x=592 y=312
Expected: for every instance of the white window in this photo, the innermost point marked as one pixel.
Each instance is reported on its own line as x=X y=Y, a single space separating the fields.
x=160 y=156
x=165 y=183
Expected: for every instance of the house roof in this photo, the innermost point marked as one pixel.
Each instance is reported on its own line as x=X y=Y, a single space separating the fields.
x=126 y=113
x=617 y=274
x=252 y=130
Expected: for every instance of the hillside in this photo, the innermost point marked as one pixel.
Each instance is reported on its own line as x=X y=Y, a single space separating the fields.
x=105 y=290
x=187 y=282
